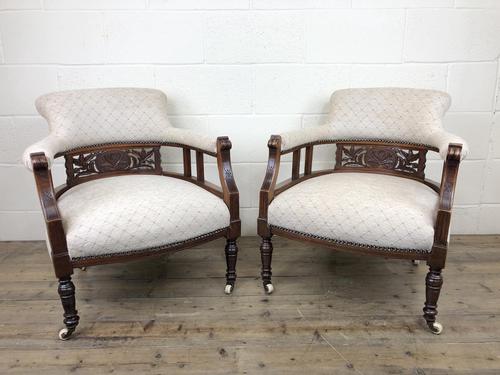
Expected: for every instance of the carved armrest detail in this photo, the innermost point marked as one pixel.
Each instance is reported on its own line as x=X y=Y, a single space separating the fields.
x=230 y=191
x=447 y=193
x=45 y=187
x=269 y=184
x=53 y=221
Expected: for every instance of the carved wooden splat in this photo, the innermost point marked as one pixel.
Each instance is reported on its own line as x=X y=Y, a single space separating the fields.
x=404 y=160
x=91 y=163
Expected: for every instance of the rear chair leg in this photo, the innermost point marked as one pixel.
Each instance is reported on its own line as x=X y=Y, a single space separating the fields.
x=66 y=291
x=231 y=251
x=433 y=283
x=266 y=254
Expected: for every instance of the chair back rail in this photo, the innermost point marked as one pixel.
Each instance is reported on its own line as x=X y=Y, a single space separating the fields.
x=391 y=158
x=94 y=162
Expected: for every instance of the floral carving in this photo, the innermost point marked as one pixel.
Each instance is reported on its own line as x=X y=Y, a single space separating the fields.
x=410 y=161
x=106 y=161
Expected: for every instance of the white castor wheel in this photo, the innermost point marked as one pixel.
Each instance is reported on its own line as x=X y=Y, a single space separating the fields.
x=65 y=334
x=269 y=288
x=436 y=328
x=415 y=262
x=228 y=289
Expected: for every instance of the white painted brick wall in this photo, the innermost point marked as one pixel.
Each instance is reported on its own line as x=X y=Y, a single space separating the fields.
x=254 y=37
x=248 y=69
x=355 y=36
x=452 y=35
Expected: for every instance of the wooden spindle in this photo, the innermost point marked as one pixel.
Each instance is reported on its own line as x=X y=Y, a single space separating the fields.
x=200 y=167
x=295 y=164
x=187 y=161
x=308 y=160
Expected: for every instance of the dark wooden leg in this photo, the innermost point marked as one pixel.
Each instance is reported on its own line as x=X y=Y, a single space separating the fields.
x=231 y=257
x=433 y=283
x=67 y=293
x=266 y=254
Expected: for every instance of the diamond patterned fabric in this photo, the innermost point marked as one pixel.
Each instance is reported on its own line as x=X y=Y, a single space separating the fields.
x=397 y=114
x=132 y=213
x=96 y=116
x=392 y=114
x=87 y=117
x=361 y=208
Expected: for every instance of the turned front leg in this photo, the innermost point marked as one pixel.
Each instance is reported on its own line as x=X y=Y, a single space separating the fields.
x=266 y=254
x=231 y=251
x=66 y=291
x=433 y=284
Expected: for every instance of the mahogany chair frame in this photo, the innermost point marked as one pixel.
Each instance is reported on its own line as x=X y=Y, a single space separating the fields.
x=383 y=157
x=101 y=161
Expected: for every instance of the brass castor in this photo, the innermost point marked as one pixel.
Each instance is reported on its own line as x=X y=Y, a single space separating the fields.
x=435 y=327
x=269 y=288
x=65 y=333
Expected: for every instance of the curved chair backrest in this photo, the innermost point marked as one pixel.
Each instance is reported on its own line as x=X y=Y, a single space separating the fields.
x=80 y=118
x=395 y=114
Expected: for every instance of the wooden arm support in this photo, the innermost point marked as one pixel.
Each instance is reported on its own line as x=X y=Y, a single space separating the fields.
x=269 y=184
x=230 y=192
x=53 y=221
x=45 y=187
x=447 y=193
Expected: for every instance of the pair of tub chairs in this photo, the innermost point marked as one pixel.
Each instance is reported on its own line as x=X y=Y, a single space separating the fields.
x=119 y=204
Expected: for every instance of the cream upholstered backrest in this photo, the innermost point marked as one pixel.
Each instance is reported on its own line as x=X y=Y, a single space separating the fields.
x=96 y=116
x=92 y=117
x=402 y=115
x=394 y=114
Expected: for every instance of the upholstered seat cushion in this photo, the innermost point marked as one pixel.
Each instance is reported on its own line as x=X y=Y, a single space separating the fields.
x=135 y=212
x=360 y=208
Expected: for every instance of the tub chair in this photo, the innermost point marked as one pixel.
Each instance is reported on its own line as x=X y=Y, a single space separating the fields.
x=376 y=199
x=119 y=203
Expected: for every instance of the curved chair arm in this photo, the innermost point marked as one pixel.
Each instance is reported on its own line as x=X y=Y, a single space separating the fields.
x=447 y=193
x=269 y=184
x=230 y=192
x=442 y=140
x=45 y=187
x=48 y=147
x=192 y=139
x=300 y=138
x=52 y=217
x=51 y=146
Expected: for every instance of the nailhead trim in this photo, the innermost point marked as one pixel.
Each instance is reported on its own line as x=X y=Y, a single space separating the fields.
x=342 y=140
x=352 y=244
x=151 y=249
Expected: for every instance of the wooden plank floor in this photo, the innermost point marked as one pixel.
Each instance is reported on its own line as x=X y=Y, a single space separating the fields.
x=331 y=313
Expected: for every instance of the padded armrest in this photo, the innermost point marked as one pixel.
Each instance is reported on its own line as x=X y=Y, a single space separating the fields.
x=442 y=140
x=48 y=146
x=439 y=139
x=292 y=139
x=51 y=145
x=190 y=138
